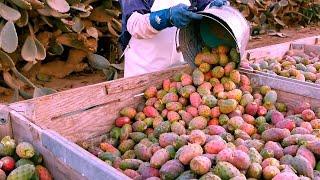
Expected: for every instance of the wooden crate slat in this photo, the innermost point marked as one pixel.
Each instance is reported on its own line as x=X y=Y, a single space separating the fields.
x=90 y=166
x=45 y=108
x=5 y=121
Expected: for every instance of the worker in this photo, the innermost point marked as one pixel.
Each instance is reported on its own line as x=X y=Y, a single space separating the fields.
x=149 y=32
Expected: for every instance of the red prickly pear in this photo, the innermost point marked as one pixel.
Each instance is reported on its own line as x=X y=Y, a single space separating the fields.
x=308 y=115
x=275 y=134
x=166 y=84
x=270 y=171
x=306 y=153
x=262 y=111
x=215 y=130
x=192 y=110
x=186 y=79
x=276 y=117
x=150 y=111
x=286 y=124
x=195 y=99
x=252 y=108
x=122 y=121
x=200 y=165
x=197 y=137
x=150 y=92
x=215 y=146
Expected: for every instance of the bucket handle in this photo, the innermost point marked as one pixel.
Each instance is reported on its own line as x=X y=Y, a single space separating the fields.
x=176 y=41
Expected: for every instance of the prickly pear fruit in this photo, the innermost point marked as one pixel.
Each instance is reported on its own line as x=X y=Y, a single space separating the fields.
x=187 y=175
x=254 y=171
x=209 y=100
x=286 y=175
x=178 y=128
x=200 y=165
x=198 y=122
x=170 y=97
x=270 y=162
x=217 y=72
x=43 y=173
x=150 y=111
x=186 y=91
x=195 y=99
x=120 y=121
x=128 y=112
x=197 y=137
x=147 y=171
x=308 y=155
x=166 y=139
x=186 y=153
x=215 y=130
x=314 y=146
x=227 y=106
x=126 y=145
x=159 y=158
x=163 y=127
x=226 y=170
x=197 y=77
x=275 y=134
x=255 y=156
x=270 y=171
x=275 y=148
x=270 y=97
x=173 y=116
x=150 y=92
x=22 y=172
x=302 y=166
x=21 y=162
x=308 y=115
x=171 y=170
x=130 y=164
x=25 y=150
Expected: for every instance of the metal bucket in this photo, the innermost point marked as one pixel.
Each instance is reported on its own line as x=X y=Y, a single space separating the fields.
x=219 y=26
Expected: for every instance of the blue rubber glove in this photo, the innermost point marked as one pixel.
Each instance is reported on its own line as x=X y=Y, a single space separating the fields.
x=179 y=16
x=218 y=3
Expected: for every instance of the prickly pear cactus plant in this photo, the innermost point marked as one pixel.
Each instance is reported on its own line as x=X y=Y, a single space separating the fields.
x=47 y=38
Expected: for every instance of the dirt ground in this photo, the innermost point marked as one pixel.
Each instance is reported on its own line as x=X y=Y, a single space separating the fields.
x=83 y=79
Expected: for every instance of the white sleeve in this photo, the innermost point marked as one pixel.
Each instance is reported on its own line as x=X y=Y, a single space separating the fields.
x=139 y=26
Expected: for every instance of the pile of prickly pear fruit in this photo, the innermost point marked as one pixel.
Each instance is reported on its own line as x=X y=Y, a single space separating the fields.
x=213 y=124
x=295 y=64
x=21 y=162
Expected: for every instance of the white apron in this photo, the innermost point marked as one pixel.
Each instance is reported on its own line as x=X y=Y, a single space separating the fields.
x=158 y=53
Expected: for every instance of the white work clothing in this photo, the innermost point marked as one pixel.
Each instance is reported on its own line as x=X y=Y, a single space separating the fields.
x=150 y=50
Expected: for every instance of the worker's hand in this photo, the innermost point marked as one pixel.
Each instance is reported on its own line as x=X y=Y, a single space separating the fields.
x=181 y=16
x=218 y=3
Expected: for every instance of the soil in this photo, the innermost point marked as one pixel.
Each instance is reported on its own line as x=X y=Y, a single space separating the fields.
x=82 y=79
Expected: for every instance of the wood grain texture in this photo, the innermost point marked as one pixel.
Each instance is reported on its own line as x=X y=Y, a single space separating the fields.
x=43 y=109
x=278 y=50
x=5 y=121
x=90 y=166
x=23 y=130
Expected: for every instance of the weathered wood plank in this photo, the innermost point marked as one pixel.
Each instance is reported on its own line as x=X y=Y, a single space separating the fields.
x=43 y=109
x=90 y=166
x=95 y=121
x=5 y=121
x=23 y=130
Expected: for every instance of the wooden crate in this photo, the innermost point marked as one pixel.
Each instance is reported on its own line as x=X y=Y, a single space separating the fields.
x=85 y=113
x=55 y=123
x=310 y=44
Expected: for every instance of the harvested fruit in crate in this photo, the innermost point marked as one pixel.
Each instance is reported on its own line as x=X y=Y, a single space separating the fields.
x=213 y=125
x=21 y=161
x=294 y=64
